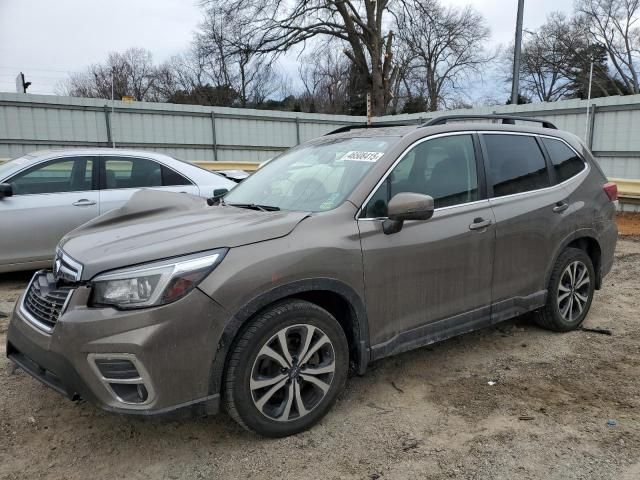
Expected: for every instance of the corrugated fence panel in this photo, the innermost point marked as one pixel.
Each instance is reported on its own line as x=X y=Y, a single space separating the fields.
x=30 y=122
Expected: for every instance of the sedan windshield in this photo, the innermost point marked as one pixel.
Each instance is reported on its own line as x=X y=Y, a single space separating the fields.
x=12 y=164
x=314 y=177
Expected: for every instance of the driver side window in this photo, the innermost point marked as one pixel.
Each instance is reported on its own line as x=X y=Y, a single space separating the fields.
x=444 y=168
x=71 y=174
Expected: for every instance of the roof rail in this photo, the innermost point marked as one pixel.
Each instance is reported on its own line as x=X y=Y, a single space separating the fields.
x=506 y=120
x=348 y=128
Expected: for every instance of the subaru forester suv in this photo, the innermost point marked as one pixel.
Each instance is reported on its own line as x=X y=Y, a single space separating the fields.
x=349 y=248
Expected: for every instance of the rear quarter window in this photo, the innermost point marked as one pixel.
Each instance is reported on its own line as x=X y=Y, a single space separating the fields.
x=172 y=178
x=566 y=162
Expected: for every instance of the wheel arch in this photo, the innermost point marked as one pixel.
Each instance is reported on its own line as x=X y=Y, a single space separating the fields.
x=586 y=240
x=336 y=297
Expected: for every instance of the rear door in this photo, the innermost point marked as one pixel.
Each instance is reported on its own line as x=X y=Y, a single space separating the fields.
x=122 y=176
x=49 y=200
x=530 y=210
x=431 y=270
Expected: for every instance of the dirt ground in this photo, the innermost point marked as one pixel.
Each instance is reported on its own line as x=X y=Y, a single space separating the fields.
x=562 y=407
x=629 y=224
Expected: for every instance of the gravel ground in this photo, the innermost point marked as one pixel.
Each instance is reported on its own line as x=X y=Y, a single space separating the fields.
x=430 y=413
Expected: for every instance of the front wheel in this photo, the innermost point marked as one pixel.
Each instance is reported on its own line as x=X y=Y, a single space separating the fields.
x=286 y=369
x=570 y=292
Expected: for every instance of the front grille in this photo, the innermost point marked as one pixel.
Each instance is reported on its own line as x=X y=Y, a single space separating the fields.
x=44 y=302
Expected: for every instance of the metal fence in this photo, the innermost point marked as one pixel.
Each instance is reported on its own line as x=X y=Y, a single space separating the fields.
x=190 y=132
x=196 y=133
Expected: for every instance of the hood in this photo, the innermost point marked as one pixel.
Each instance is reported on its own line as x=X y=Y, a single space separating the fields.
x=154 y=225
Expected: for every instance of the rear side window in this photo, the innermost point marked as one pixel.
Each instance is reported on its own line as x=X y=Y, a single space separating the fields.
x=129 y=172
x=565 y=161
x=516 y=164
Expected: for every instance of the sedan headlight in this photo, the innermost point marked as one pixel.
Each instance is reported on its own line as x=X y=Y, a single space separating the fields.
x=156 y=283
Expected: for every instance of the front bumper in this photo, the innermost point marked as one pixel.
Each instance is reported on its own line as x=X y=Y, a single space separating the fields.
x=174 y=345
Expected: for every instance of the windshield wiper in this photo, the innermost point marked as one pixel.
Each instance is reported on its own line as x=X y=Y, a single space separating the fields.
x=255 y=206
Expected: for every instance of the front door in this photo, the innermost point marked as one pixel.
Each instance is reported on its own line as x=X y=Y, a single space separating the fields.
x=49 y=200
x=420 y=278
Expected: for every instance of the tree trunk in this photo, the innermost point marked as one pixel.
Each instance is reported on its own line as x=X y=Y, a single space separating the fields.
x=243 y=87
x=378 y=93
x=432 y=88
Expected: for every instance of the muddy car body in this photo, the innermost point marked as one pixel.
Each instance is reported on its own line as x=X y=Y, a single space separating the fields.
x=262 y=302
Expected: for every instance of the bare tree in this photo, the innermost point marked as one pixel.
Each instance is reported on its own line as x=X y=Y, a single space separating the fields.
x=544 y=57
x=615 y=24
x=570 y=50
x=324 y=73
x=556 y=62
x=446 y=46
x=233 y=58
x=406 y=89
x=276 y=25
x=132 y=72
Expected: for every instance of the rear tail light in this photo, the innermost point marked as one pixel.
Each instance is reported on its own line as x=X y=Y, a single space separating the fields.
x=611 y=189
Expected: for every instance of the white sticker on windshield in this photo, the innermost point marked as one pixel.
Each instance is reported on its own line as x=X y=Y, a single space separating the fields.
x=362 y=156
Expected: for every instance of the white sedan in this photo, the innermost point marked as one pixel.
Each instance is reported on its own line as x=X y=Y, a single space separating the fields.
x=46 y=194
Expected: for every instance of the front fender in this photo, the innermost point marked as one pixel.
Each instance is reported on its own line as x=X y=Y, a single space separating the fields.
x=240 y=319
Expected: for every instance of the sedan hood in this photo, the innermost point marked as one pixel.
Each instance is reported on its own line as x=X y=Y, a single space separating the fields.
x=155 y=225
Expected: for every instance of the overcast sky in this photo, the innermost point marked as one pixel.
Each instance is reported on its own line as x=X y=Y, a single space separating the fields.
x=46 y=39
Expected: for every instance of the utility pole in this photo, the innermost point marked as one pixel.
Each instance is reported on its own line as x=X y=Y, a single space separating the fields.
x=515 y=89
x=586 y=129
x=113 y=140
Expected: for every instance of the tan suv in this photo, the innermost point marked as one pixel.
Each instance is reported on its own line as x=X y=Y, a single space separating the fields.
x=347 y=249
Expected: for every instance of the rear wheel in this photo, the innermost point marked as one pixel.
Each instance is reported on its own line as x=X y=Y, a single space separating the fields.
x=286 y=369
x=570 y=292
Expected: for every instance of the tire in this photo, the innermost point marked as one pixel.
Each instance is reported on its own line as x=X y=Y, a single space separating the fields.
x=568 y=303
x=264 y=384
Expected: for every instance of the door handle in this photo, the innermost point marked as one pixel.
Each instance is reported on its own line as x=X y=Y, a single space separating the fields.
x=84 y=203
x=560 y=207
x=479 y=224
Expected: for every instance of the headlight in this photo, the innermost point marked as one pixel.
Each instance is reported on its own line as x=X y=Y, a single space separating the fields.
x=156 y=283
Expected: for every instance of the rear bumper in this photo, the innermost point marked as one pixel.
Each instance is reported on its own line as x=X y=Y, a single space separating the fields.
x=174 y=345
x=608 y=241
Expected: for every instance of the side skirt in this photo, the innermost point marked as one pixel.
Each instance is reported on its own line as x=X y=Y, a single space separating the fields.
x=458 y=325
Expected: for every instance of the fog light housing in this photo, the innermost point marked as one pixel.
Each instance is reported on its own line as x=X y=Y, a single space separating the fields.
x=124 y=377
x=130 y=393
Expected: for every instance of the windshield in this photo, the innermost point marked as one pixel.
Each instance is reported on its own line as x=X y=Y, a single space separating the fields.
x=11 y=164
x=314 y=177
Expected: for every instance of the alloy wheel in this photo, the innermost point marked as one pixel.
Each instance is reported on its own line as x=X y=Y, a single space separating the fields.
x=573 y=290
x=292 y=372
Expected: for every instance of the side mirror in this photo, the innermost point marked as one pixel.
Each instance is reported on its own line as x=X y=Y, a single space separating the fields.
x=218 y=192
x=407 y=206
x=6 y=190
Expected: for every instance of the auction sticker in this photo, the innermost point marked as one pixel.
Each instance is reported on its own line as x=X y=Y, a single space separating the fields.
x=362 y=156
